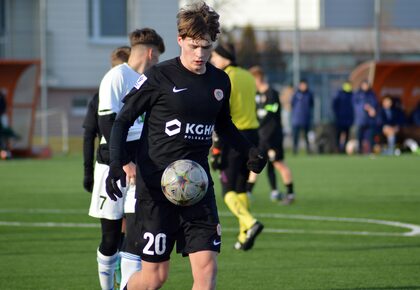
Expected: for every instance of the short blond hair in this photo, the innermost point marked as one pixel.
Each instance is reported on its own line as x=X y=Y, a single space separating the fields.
x=120 y=55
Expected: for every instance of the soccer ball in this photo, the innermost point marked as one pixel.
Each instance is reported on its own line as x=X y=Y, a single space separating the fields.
x=184 y=182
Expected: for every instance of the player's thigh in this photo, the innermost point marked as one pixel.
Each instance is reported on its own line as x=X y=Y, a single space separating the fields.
x=200 y=227
x=203 y=263
x=153 y=232
x=275 y=153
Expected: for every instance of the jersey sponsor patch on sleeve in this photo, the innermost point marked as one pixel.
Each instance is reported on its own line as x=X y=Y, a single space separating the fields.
x=140 y=81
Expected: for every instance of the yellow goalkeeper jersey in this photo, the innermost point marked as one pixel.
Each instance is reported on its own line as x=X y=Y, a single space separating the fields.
x=242 y=98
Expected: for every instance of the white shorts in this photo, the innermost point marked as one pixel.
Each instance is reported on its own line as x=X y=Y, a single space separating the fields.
x=101 y=206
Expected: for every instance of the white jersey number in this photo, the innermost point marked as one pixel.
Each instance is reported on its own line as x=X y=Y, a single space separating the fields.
x=159 y=241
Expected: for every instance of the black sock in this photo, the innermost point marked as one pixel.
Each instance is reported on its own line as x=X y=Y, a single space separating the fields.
x=289 y=188
x=249 y=186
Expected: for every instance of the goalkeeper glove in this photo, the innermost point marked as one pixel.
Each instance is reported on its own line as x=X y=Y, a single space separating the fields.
x=216 y=159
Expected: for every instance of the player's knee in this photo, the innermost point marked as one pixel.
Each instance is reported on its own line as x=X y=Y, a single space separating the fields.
x=147 y=280
x=206 y=277
x=109 y=243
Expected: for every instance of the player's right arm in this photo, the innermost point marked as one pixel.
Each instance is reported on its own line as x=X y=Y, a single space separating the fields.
x=135 y=104
x=90 y=132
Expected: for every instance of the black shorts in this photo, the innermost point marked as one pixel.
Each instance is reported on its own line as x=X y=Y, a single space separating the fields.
x=273 y=146
x=274 y=152
x=236 y=172
x=159 y=224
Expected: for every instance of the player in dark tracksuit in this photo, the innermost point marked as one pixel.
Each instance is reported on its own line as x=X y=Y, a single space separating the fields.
x=184 y=100
x=365 y=105
x=302 y=106
x=344 y=115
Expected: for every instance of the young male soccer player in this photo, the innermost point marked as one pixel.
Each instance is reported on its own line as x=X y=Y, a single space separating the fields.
x=244 y=116
x=91 y=132
x=91 y=126
x=146 y=46
x=271 y=137
x=184 y=99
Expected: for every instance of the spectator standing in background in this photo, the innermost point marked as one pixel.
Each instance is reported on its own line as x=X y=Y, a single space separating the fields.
x=365 y=107
x=302 y=107
x=343 y=115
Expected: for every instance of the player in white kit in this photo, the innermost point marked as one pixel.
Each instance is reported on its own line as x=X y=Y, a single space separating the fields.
x=146 y=47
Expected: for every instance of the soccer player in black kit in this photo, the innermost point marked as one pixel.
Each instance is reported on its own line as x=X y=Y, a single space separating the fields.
x=271 y=138
x=184 y=99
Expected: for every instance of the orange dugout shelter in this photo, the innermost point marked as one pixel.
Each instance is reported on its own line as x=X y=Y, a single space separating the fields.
x=19 y=80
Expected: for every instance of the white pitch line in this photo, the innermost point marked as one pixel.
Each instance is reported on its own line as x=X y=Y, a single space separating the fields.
x=414 y=229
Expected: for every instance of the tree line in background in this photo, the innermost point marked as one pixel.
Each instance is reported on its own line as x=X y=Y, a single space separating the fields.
x=250 y=52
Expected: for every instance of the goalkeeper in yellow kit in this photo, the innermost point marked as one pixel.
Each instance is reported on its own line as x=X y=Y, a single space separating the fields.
x=234 y=172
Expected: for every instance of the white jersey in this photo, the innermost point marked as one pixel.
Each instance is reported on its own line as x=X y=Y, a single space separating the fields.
x=115 y=85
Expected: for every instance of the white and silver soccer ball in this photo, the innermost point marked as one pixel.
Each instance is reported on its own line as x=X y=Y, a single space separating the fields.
x=184 y=182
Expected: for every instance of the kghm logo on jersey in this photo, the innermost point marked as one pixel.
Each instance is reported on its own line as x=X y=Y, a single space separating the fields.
x=173 y=127
x=198 y=131
x=191 y=131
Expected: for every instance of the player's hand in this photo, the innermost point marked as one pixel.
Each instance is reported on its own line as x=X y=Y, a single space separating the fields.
x=88 y=180
x=256 y=160
x=130 y=171
x=216 y=160
x=112 y=189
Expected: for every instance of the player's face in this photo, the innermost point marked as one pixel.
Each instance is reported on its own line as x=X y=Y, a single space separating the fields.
x=195 y=53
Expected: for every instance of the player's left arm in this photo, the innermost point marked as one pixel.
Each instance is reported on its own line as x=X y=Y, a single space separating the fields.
x=230 y=134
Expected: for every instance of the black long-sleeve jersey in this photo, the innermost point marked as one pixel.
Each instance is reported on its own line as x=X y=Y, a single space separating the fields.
x=182 y=110
x=91 y=132
x=268 y=112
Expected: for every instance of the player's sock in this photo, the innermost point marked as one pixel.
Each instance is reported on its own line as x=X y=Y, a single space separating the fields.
x=244 y=199
x=249 y=186
x=130 y=264
x=275 y=195
x=239 y=209
x=117 y=274
x=289 y=188
x=106 y=268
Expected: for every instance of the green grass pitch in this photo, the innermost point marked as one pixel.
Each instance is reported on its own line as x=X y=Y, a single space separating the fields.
x=349 y=229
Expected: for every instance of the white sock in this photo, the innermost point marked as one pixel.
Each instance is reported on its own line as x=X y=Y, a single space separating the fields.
x=129 y=265
x=106 y=268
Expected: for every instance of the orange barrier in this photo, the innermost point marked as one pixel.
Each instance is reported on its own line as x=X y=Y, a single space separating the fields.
x=20 y=81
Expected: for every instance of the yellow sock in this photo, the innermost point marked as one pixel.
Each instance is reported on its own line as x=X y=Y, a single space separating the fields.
x=244 y=199
x=239 y=209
